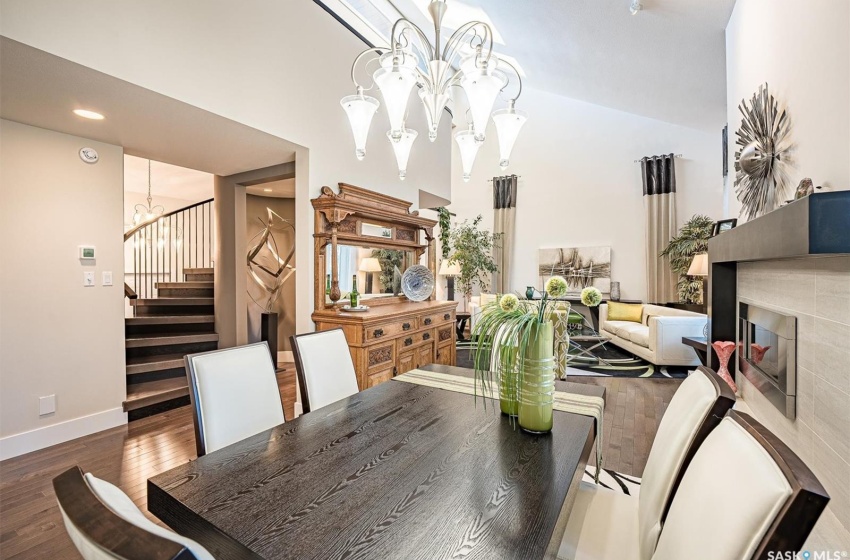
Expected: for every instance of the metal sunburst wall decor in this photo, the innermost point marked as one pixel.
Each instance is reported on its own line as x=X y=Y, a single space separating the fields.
x=761 y=179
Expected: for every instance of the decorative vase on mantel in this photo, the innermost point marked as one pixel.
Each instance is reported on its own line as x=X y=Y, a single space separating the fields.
x=536 y=387
x=724 y=349
x=615 y=291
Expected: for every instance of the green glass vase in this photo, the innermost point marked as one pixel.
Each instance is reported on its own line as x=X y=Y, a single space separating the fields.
x=536 y=388
x=507 y=380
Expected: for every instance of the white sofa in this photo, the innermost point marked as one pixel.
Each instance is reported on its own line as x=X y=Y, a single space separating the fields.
x=658 y=337
x=476 y=303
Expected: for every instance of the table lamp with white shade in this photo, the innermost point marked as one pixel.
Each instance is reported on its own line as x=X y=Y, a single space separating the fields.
x=699 y=267
x=369 y=265
x=449 y=269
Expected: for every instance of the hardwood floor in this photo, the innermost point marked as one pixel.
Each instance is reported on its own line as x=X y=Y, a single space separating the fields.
x=127 y=456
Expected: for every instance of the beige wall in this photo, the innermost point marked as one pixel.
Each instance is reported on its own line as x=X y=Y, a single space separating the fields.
x=56 y=336
x=280 y=67
x=285 y=305
x=817 y=292
x=802 y=50
x=579 y=185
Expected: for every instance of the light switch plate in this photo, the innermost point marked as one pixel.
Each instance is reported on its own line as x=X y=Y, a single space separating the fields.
x=46 y=405
x=88 y=279
x=106 y=278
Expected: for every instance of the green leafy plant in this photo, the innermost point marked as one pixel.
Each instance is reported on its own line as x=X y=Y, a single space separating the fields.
x=691 y=240
x=445 y=223
x=472 y=250
x=510 y=324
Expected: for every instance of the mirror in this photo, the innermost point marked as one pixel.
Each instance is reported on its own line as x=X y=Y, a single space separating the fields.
x=374 y=230
x=373 y=268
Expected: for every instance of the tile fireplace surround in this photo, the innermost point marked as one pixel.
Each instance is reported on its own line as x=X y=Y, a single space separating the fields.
x=796 y=261
x=817 y=291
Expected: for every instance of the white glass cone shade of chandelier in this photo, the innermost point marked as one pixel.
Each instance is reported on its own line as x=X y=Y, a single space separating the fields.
x=481 y=90
x=395 y=79
x=401 y=147
x=468 y=150
x=508 y=122
x=360 y=110
x=435 y=101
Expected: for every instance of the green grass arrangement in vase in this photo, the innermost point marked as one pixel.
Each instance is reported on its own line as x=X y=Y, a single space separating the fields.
x=519 y=334
x=691 y=240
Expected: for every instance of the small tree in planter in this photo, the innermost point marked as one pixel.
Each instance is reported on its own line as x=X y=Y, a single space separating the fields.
x=472 y=249
x=691 y=240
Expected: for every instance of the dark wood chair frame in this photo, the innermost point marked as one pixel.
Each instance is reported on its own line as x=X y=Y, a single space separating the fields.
x=192 y=377
x=108 y=531
x=299 y=365
x=794 y=522
x=722 y=404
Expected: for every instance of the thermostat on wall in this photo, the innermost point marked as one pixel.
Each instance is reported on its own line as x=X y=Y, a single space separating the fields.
x=87 y=251
x=88 y=155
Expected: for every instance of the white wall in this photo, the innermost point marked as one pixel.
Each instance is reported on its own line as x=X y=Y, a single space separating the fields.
x=802 y=51
x=579 y=184
x=281 y=67
x=56 y=336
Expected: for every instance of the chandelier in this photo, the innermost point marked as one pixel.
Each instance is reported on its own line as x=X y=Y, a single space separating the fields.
x=147 y=213
x=467 y=61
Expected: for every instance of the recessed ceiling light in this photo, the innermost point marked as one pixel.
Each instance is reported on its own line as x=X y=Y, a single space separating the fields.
x=267 y=190
x=86 y=114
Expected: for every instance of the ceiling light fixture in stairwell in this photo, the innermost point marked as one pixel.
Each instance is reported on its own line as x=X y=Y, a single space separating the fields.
x=147 y=213
x=635 y=7
x=411 y=60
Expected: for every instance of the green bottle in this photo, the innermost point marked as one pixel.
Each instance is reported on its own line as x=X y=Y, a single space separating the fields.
x=328 y=286
x=355 y=295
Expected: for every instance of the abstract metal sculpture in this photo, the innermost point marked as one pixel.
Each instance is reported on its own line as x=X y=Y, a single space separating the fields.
x=262 y=249
x=760 y=164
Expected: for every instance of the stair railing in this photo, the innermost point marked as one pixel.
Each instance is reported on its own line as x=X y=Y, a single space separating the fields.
x=160 y=250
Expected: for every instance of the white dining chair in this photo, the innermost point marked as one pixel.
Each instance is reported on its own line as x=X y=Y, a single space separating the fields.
x=105 y=524
x=234 y=395
x=324 y=368
x=605 y=522
x=745 y=495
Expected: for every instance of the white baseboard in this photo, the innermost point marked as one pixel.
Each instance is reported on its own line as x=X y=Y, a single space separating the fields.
x=285 y=356
x=18 y=444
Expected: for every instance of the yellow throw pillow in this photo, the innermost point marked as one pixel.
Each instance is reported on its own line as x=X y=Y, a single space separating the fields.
x=625 y=311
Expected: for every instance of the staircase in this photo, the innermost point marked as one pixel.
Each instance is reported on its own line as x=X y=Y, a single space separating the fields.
x=179 y=321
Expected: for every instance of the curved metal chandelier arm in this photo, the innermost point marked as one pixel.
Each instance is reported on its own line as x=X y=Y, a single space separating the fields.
x=361 y=89
x=518 y=77
x=456 y=39
x=407 y=24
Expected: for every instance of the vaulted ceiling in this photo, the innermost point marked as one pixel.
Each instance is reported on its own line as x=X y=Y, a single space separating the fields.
x=666 y=62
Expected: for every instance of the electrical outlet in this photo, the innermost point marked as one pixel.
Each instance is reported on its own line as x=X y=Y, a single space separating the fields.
x=46 y=405
x=88 y=279
x=106 y=279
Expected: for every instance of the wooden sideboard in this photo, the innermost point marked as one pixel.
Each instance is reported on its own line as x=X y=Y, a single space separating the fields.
x=389 y=340
x=395 y=335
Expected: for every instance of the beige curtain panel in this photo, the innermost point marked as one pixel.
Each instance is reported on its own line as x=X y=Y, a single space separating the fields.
x=659 y=199
x=504 y=223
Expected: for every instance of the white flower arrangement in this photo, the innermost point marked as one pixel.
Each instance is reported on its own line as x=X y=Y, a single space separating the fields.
x=591 y=297
x=509 y=302
x=556 y=287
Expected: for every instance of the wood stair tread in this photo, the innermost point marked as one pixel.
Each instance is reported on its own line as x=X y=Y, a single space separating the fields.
x=145 y=364
x=170 y=319
x=173 y=301
x=198 y=271
x=187 y=284
x=153 y=392
x=165 y=339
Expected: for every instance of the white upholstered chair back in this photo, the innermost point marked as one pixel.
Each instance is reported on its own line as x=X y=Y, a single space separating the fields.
x=729 y=497
x=325 y=369
x=234 y=394
x=104 y=523
x=685 y=414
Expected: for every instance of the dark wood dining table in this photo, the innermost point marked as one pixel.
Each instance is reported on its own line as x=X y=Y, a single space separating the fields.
x=397 y=471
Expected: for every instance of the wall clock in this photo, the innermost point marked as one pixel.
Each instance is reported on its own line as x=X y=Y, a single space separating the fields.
x=761 y=177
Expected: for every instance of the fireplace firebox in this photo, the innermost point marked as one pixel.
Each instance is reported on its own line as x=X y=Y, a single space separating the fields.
x=767 y=354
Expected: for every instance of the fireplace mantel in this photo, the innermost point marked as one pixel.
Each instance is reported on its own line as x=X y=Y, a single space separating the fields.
x=815 y=226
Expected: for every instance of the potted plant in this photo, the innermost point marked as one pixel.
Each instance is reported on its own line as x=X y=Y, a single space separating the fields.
x=472 y=250
x=520 y=333
x=691 y=239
